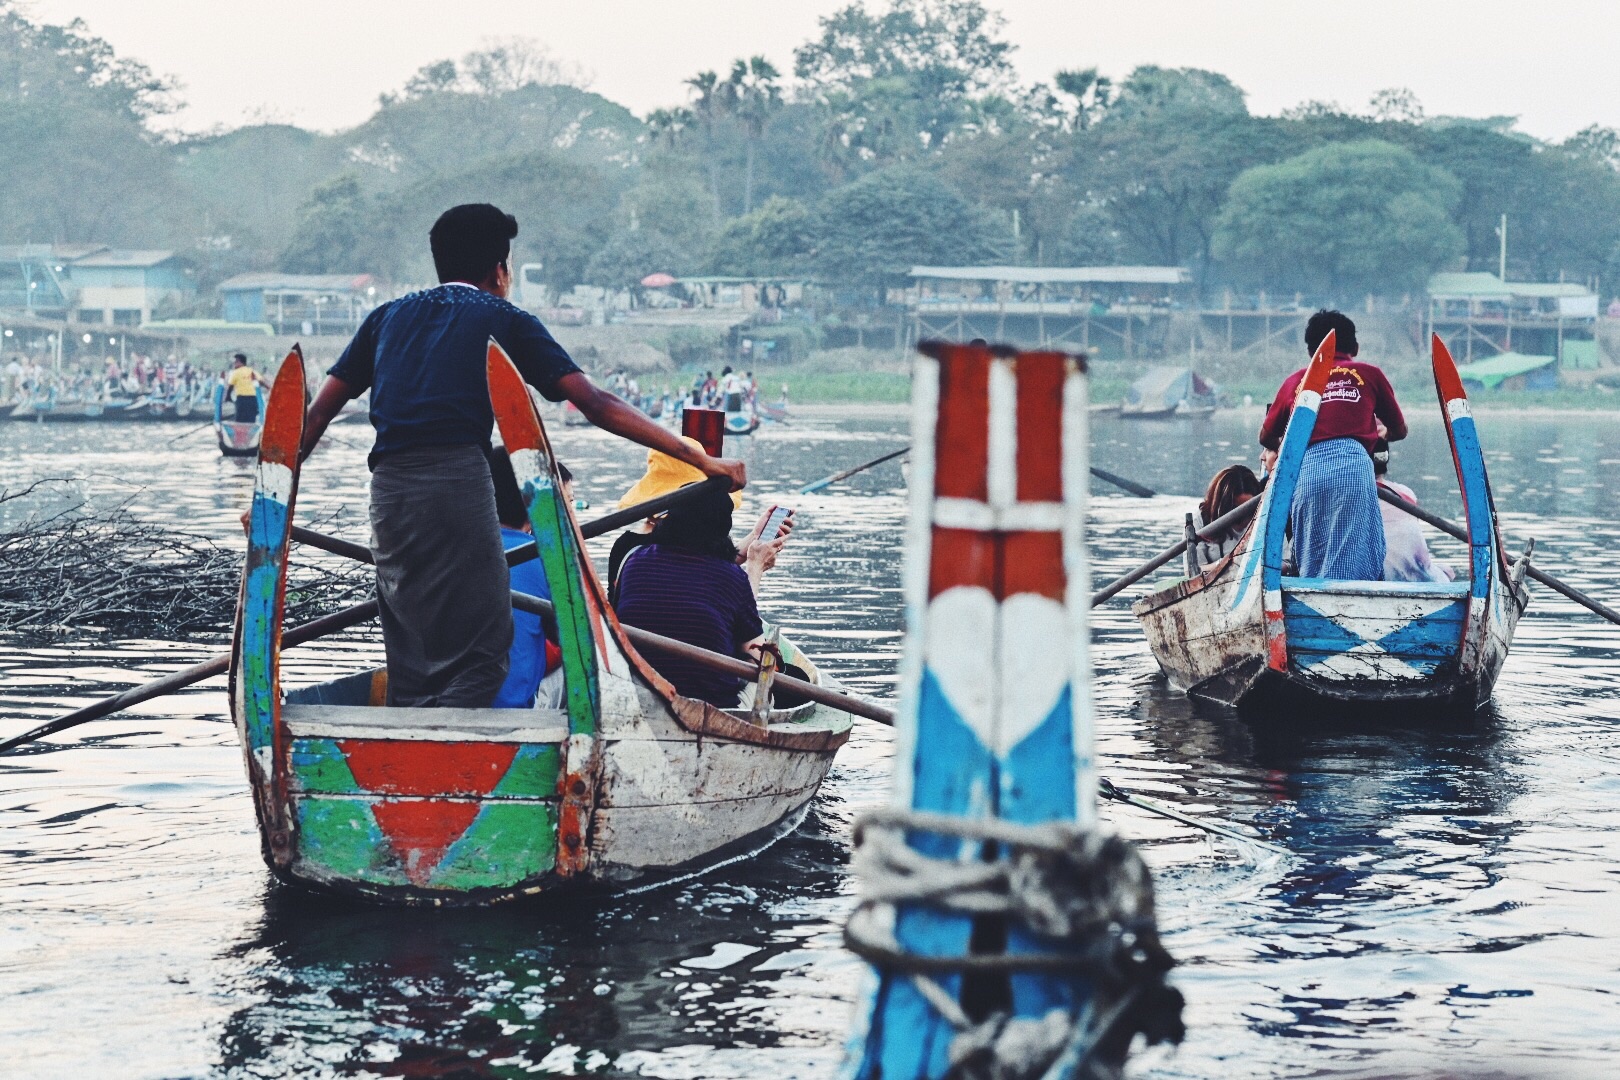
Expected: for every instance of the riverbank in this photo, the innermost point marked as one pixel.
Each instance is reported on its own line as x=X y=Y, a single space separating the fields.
x=881 y=377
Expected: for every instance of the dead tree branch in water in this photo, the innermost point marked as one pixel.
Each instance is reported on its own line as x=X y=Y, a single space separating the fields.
x=107 y=569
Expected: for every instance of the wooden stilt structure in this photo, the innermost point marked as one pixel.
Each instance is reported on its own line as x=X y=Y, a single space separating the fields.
x=1006 y=932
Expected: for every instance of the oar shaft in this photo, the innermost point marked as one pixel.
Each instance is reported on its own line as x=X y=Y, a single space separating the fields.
x=1453 y=529
x=728 y=664
x=1120 y=482
x=1210 y=532
x=826 y=481
x=179 y=680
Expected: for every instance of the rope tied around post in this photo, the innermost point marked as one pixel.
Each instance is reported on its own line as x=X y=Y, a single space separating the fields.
x=1086 y=895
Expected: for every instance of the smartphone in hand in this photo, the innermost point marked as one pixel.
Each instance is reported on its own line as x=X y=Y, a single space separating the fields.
x=774 y=522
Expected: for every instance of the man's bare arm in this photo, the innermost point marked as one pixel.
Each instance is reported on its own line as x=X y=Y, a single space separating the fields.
x=332 y=396
x=610 y=413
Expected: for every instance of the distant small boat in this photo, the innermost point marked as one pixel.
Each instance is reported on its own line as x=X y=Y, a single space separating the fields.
x=236 y=438
x=1242 y=633
x=774 y=411
x=1169 y=391
x=742 y=421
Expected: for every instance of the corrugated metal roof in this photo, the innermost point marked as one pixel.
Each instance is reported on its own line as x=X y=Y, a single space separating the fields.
x=1058 y=275
x=1492 y=372
x=1480 y=285
x=296 y=282
x=1468 y=286
x=125 y=258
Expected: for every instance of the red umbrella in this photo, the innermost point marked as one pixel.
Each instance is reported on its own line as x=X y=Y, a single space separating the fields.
x=657 y=281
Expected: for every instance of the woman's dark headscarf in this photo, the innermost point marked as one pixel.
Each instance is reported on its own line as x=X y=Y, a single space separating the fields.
x=701 y=526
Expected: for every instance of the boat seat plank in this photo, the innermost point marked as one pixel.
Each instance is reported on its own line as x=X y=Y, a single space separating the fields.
x=428 y=725
x=1376 y=588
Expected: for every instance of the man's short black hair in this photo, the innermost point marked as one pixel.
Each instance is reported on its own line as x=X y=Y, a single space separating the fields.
x=1337 y=321
x=239 y=358
x=469 y=241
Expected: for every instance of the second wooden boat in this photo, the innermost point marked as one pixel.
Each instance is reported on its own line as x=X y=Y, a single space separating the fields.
x=1243 y=634
x=627 y=784
x=236 y=438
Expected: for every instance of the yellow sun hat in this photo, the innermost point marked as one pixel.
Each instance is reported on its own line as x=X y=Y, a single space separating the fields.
x=666 y=474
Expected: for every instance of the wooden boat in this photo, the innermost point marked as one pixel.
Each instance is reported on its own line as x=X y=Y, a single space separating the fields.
x=742 y=421
x=1242 y=634
x=626 y=785
x=994 y=812
x=1166 y=392
x=236 y=438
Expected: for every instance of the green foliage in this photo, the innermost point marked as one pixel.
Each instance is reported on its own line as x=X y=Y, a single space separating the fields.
x=627 y=257
x=899 y=82
x=695 y=346
x=1343 y=220
x=335 y=230
x=773 y=241
x=873 y=231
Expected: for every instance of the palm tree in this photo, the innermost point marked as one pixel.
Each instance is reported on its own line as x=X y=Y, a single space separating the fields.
x=1092 y=94
x=752 y=95
x=707 y=105
x=668 y=125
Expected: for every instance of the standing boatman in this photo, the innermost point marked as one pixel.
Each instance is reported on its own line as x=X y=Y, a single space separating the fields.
x=1338 y=529
x=244 y=383
x=442 y=583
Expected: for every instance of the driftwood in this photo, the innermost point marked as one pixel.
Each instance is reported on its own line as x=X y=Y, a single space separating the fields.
x=85 y=567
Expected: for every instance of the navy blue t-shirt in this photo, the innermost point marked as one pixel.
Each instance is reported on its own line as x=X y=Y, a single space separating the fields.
x=423 y=358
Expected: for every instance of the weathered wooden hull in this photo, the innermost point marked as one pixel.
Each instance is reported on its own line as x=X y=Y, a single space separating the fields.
x=1349 y=644
x=625 y=785
x=1244 y=635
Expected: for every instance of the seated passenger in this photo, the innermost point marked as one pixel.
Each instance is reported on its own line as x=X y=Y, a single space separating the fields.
x=686 y=583
x=534 y=651
x=1338 y=530
x=1229 y=489
x=1406 y=553
x=664 y=474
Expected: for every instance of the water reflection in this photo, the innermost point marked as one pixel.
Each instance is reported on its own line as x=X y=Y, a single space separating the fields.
x=1446 y=900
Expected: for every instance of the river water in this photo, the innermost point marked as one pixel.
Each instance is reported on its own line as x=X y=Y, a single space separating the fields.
x=1446 y=906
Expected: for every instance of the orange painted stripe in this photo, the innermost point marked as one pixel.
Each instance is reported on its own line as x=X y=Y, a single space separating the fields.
x=1032 y=562
x=961 y=557
x=962 y=439
x=407 y=767
x=1040 y=378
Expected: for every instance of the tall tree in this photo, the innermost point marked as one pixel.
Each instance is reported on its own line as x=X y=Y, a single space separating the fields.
x=897 y=83
x=708 y=105
x=874 y=230
x=752 y=95
x=1342 y=220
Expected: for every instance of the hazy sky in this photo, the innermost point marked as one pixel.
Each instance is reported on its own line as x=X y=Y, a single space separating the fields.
x=322 y=63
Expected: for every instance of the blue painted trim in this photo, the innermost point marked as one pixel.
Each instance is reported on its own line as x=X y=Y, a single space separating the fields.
x=267 y=553
x=1476 y=501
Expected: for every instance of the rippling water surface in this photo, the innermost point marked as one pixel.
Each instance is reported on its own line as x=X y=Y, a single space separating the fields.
x=1448 y=902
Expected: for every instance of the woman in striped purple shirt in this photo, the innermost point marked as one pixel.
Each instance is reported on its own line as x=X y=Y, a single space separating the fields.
x=689 y=582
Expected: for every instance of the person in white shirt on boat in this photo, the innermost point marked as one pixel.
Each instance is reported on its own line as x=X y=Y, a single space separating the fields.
x=1406 y=552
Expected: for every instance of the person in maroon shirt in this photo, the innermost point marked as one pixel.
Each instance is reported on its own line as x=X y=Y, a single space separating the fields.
x=1338 y=529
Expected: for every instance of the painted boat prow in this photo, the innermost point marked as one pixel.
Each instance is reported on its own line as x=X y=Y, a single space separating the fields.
x=994 y=728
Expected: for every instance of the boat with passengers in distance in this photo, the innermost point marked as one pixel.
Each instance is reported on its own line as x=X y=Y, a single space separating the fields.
x=237 y=438
x=1243 y=634
x=626 y=785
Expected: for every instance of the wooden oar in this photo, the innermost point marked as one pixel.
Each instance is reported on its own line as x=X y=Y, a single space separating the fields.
x=1211 y=532
x=1453 y=529
x=216 y=665
x=1102 y=474
x=810 y=489
x=190 y=433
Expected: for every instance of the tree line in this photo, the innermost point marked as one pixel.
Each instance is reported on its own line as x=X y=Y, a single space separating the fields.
x=901 y=135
